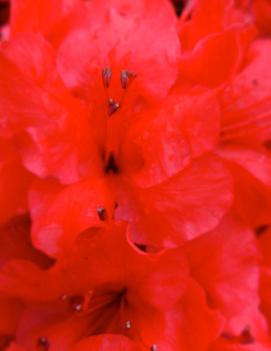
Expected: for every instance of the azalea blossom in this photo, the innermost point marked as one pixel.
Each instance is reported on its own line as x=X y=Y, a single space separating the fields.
x=120 y=155
x=118 y=291
x=135 y=176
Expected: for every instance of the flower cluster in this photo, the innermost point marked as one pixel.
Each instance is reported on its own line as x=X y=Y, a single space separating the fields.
x=135 y=176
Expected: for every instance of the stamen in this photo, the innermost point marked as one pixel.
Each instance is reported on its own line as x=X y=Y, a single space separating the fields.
x=126 y=78
x=77 y=303
x=102 y=213
x=154 y=347
x=128 y=324
x=43 y=343
x=113 y=107
x=106 y=76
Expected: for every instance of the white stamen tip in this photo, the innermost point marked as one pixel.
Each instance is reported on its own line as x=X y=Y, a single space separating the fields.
x=128 y=324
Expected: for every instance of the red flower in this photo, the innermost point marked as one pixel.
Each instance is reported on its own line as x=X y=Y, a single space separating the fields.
x=244 y=98
x=124 y=144
x=135 y=152
x=109 y=287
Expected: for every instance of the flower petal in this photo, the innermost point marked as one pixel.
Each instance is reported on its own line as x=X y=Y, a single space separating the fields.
x=60 y=213
x=113 y=37
x=14 y=183
x=106 y=342
x=52 y=130
x=38 y=16
x=256 y=162
x=189 y=325
x=15 y=242
x=246 y=101
x=232 y=288
x=174 y=208
x=165 y=139
x=113 y=262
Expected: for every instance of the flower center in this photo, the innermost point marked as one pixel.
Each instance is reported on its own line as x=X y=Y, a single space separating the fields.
x=107 y=310
x=111 y=165
x=113 y=125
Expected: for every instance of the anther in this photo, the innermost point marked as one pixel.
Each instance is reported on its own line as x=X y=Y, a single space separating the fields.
x=154 y=347
x=102 y=213
x=128 y=324
x=78 y=307
x=125 y=78
x=43 y=343
x=77 y=303
x=106 y=76
x=113 y=107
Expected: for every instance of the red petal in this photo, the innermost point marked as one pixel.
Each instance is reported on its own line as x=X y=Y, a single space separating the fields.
x=174 y=207
x=165 y=139
x=265 y=290
x=106 y=343
x=38 y=16
x=11 y=310
x=264 y=241
x=112 y=262
x=61 y=213
x=15 y=347
x=246 y=101
x=228 y=271
x=15 y=242
x=252 y=199
x=14 y=182
x=58 y=330
x=199 y=325
x=205 y=64
x=262 y=12
x=26 y=281
x=54 y=134
x=112 y=38
x=190 y=325
x=256 y=162
x=23 y=74
x=208 y=17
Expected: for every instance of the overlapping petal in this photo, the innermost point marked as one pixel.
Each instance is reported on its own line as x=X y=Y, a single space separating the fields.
x=228 y=270
x=174 y=207
x=14 y=183
x=246 y=99
x=135 y=152
x=165 y=139
x=60 y=213
x=109 y=40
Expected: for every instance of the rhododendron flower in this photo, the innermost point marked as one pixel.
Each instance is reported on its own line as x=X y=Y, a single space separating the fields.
x=244 y=101
x=123 y=146
x=135 y=176
x=108 y=287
